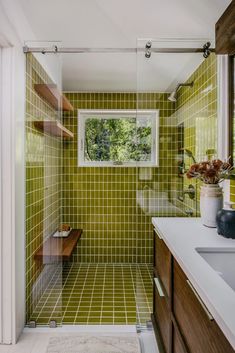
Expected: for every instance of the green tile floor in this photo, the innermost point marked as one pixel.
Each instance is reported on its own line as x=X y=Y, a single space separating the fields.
x=97 y=294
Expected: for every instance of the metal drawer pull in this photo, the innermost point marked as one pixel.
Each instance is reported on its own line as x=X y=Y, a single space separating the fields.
x=156 y=231
x=210 y=317
x=159 y=287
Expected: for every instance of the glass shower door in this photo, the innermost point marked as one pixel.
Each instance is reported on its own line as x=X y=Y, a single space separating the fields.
x=180 y=86
x=43 y=148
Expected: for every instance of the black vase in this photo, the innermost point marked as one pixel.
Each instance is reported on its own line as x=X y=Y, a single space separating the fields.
x=226 y=222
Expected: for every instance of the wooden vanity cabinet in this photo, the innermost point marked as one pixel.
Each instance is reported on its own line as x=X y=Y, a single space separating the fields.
x=161 y=292
x=178 y=345
x=198 y=328
x=161 y=315
x=181 y=320
x=162 y=263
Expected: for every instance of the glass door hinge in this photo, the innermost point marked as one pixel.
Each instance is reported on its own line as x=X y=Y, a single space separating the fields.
x=52 y=324
x=144 y=327
x=32 y=324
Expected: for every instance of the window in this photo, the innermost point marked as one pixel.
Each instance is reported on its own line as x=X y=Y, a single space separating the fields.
x=118 y=138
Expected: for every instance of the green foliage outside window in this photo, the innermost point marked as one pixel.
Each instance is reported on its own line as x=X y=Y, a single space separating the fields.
x=118 y=140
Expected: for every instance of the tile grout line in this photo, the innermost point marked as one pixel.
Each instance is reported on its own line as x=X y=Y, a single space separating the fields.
x=92 y=293
x=80 y=300
x=103 y=291
x=64 y=286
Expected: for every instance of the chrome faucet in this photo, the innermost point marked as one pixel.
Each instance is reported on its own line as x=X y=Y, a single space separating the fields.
x=146 y=187
x=189 y=212
x=190 y=192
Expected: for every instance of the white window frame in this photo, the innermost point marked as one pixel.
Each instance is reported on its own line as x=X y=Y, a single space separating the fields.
x=83 y=115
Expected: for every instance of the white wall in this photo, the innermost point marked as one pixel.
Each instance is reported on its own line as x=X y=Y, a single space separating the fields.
x=13 y=30
x=13 y=242
x=19 y=112
x=223 y=116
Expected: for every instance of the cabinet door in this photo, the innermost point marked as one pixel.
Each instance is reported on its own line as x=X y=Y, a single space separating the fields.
x=177 y=342
x=162 y=314
x=200 y=332
x=162 y=262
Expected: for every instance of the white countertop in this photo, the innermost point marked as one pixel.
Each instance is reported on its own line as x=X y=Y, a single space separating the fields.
x=182 y=236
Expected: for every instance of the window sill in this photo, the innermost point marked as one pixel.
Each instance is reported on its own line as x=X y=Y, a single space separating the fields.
x=124 y=165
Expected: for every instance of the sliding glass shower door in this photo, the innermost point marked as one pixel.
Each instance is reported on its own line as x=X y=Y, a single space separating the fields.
x=179 y=83
x=43 y=151
x=106 y=162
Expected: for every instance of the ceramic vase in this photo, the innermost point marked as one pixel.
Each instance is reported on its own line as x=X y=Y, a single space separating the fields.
x=211 y=201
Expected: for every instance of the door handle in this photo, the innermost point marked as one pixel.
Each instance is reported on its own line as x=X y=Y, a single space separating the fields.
x=159 y=287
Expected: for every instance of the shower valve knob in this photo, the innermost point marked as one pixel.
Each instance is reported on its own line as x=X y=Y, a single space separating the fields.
x=148 y=45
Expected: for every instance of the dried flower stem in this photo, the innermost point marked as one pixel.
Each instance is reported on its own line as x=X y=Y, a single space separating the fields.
x=210 y=172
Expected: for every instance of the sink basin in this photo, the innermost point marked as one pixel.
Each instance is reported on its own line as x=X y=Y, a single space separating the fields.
x=222 y=261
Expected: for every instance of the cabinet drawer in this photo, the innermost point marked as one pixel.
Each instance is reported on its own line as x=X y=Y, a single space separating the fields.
x=162 y=262
x=200 y=332
x=162 y=314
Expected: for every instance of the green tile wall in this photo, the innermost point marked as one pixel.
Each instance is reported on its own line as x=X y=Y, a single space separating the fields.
x=102 y=201
x=196 y=108
x=43 y=175
x=115 y=228
x=232 y=191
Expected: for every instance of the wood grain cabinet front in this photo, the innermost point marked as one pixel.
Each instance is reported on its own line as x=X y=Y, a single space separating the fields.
x=178 y=345
x=162 y=262
x=162 y=314
x=199 y=330
x=181 y=320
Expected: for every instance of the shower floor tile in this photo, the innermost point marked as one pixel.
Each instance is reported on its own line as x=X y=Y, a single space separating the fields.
x=97 y=294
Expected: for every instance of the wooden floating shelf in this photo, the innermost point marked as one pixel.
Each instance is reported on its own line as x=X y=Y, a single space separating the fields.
x=53 y=96
x=58 y=249
x=54 y=128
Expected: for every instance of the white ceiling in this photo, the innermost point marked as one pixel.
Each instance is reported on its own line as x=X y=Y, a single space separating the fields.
x=118 y=23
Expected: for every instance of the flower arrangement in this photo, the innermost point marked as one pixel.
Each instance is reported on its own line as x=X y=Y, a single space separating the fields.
x=211 y=172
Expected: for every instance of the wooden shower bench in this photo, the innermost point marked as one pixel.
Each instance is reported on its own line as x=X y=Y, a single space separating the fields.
x=58 y=249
